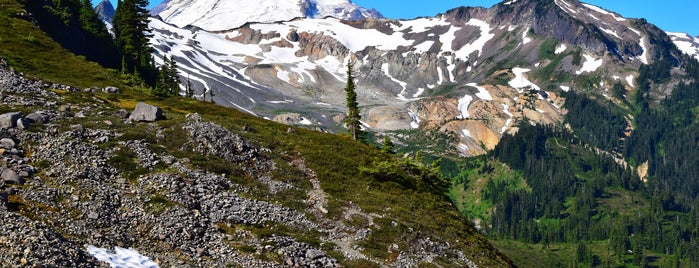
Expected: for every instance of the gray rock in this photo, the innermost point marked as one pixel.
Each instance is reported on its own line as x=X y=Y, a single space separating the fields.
x=314 y=254
x=112 y=90
x=93 y=215
x=10 y=176
x=37 y=117
x=7 y=143
x=9 y=120
x=146 y=113
x=123 y=114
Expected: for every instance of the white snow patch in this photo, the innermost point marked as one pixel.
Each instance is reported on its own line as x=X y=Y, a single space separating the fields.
x=305 y=121
x=565 y=88
x=284 y=76
x=644 y=57
x=483 y=93
x=281 y=102
x=419 y=25
x=686 y=43
x=520 y=82
x=463 y=147
x=597 y=9
x=121 y=257
x=629 y=79
x=415 y=123
x=463 y=106
x=610 y=32
x=506 y=110
x=404 y=85
x=477 y=45
x=590 y=65
x=419 y=92
x=467 y=133
x=423 y=47
x=525 y=39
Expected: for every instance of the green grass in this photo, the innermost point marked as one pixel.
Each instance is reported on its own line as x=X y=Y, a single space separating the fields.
x=31 y=51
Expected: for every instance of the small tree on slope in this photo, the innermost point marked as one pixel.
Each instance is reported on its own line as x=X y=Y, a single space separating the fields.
x=354 y=126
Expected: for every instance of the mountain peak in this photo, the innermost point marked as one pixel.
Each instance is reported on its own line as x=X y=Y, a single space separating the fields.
x=105 y=11
x=215 y=15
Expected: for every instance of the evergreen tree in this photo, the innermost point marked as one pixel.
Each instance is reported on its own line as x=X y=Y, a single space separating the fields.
x=352 y=121
x=387 y=146
x=131 y=34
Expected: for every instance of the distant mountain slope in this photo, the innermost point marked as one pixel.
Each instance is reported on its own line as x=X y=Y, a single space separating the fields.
x=477 y=65
x=685 y=42
x=215 y=15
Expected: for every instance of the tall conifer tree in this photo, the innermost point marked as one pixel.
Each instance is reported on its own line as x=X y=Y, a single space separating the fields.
x=131 y=34
x=352 y=122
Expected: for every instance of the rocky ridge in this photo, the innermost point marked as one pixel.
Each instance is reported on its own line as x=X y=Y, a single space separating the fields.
x=79 y=173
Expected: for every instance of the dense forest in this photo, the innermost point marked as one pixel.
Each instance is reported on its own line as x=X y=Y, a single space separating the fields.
x=581 y=184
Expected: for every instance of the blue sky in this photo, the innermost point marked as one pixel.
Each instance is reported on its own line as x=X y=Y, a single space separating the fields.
x=670 y=15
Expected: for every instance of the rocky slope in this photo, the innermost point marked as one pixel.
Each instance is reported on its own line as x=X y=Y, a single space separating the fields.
x=80 y=173
x=469 y=68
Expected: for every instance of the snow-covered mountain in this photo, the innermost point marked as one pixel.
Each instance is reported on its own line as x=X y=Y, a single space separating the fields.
x=217 y=15
x=471 y=72
x=687 y=43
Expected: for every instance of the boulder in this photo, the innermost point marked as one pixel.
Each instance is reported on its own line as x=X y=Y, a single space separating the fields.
x=7 y=143
x=37 y=117
x=123 y=114
x=146 y=113
x=112 y=90
x=11 y=177
x=9 y=120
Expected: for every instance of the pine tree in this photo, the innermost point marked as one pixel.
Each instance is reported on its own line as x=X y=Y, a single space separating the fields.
x=173 y=77
x=352 y=121
x=387 y=146
x=131 y=35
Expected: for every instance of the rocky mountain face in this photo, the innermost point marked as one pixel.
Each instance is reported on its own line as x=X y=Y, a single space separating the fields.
x=79 y=173
x=105 y=11
x=469 y=72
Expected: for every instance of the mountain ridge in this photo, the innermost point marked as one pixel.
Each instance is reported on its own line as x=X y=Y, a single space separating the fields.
x=297 y=65
x=216 y=15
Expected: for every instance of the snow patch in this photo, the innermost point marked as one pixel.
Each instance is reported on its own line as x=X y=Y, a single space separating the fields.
x=565 y=88
x=415 y=123
x=477 y=45
x=610 y=32
x=590 y=65
x=629 y=79
x=305 y=121
x=467 y=133
x=483 y=93
x=506 y=110
x=525 y=39
x=121 y=257
x=404 y=85
x=686 y=43
x=644 y=57
x=560 y=49
x=463 y=106
x=520 y=82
